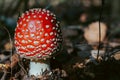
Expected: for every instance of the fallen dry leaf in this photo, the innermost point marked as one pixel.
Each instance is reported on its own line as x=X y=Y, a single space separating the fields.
x=91 y=33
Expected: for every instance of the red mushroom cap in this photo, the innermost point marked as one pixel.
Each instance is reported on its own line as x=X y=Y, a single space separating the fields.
x=37 y=34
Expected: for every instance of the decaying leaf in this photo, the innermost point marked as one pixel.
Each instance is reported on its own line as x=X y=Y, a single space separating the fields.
x=91 y=33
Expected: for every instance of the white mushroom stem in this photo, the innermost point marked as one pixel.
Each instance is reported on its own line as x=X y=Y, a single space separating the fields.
x=37 y=68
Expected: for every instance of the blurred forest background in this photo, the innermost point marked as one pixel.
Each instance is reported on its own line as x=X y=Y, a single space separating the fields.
x=78 y=59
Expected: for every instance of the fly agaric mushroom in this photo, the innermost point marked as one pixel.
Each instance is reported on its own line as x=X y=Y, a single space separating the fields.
x=37 y=37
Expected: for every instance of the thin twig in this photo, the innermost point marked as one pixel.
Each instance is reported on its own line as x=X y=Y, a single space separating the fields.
x=101 y=11
x=10 y=39
x=4 y=75
x=21 y=65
